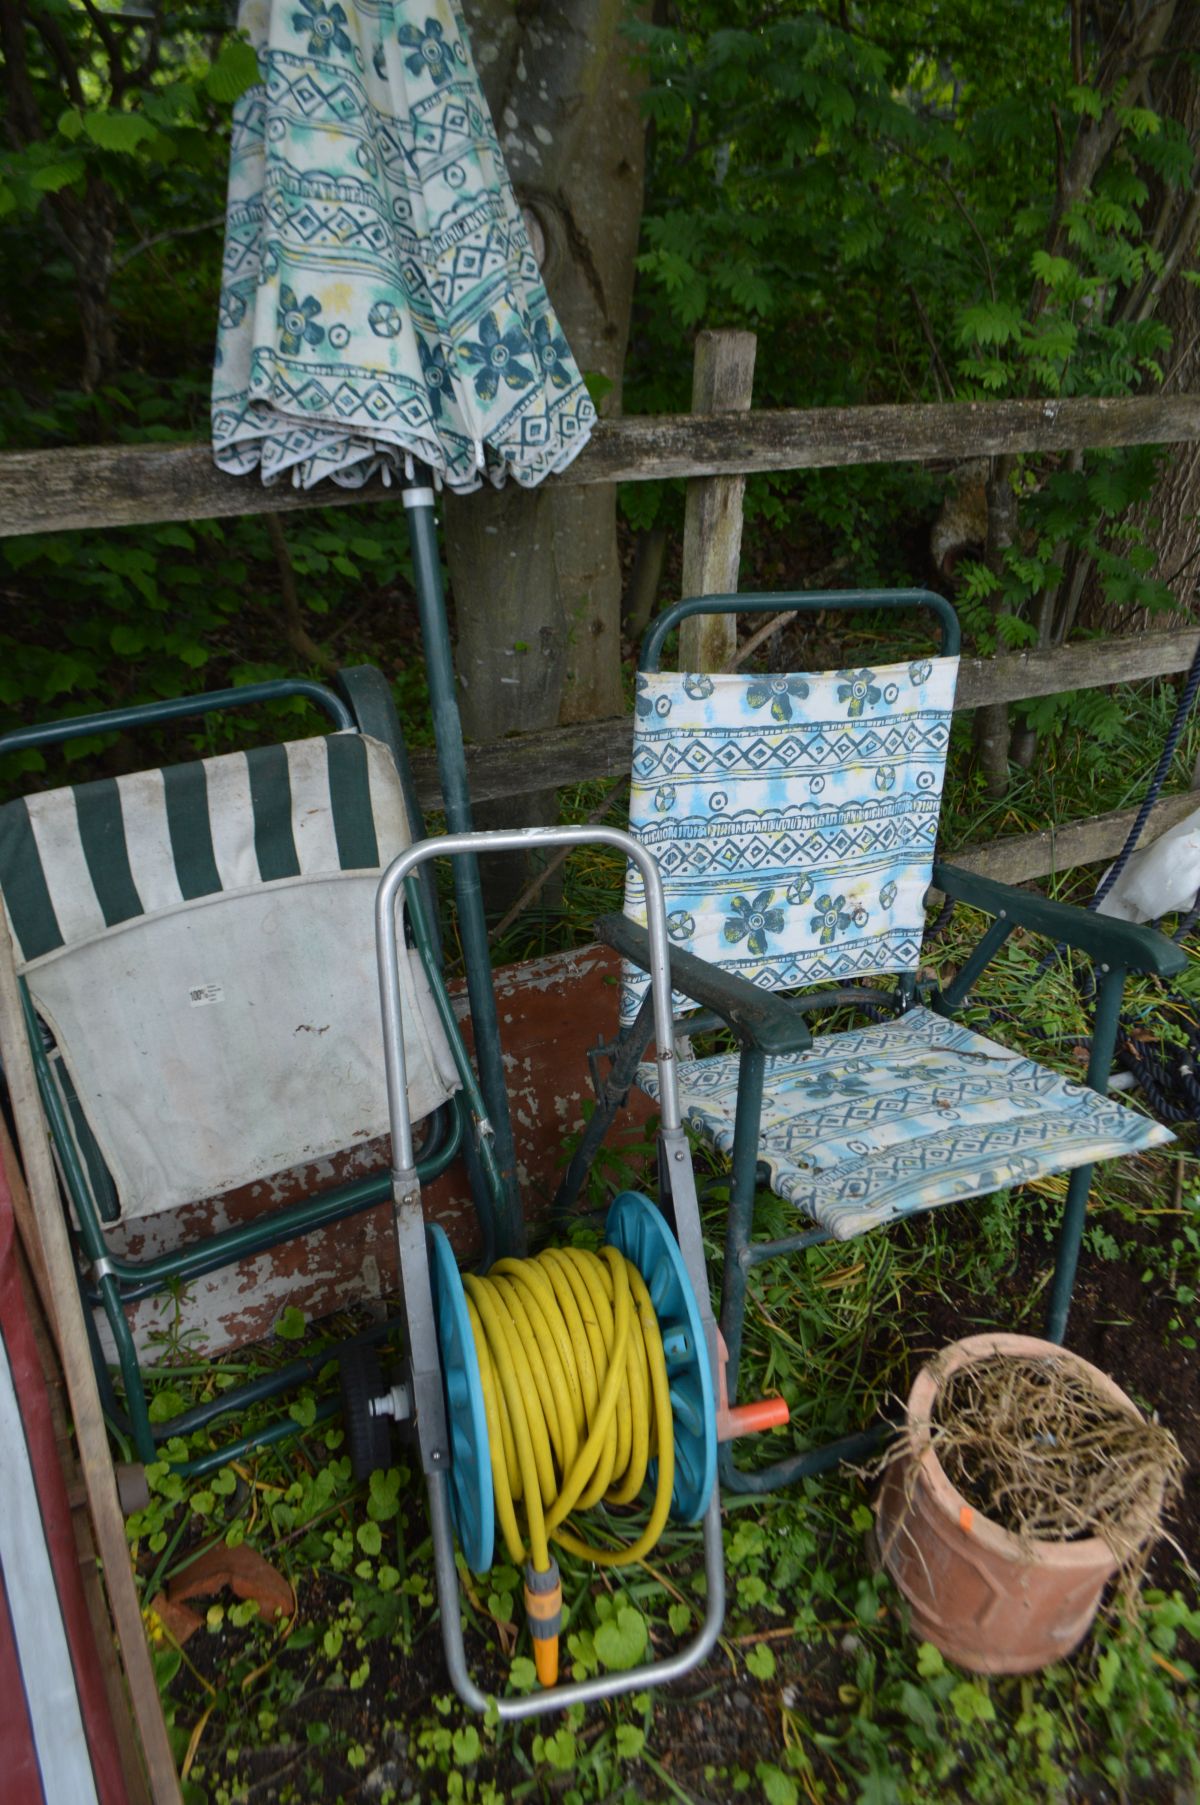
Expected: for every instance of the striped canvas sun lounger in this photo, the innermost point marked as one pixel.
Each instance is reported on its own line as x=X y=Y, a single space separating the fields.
x=196 y=948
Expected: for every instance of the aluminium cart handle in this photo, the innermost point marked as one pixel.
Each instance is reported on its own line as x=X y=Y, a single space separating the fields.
x=390 y=893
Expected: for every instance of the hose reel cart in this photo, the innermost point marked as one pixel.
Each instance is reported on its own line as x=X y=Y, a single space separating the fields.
x=550 y=1383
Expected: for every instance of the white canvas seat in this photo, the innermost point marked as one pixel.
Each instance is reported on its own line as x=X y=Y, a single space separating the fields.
x=200 y=942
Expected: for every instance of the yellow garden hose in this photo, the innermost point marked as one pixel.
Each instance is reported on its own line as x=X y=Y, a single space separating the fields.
x=577 y=1401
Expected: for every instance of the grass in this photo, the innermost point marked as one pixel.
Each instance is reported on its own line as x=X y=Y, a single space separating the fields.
x=816 y=1692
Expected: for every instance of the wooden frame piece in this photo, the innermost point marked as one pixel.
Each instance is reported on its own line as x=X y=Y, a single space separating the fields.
x=47 y=1223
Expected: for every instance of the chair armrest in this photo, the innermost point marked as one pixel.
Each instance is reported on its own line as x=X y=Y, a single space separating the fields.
x=1106 y=940
x=759 y=1017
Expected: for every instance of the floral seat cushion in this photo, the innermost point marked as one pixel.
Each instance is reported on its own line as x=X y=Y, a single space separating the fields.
x=904 y=1115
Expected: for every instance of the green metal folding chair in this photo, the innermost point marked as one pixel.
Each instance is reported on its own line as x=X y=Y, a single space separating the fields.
x=196 y=953
x=793 y=819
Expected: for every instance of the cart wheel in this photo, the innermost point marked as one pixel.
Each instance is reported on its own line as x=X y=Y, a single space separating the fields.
x=368 y=1437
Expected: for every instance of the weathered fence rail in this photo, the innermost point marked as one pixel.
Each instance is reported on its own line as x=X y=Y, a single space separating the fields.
x=534 y=761
x=602 y=749
x=133 y=485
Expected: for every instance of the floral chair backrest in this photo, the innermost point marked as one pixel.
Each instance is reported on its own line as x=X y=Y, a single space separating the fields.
x=793 y=818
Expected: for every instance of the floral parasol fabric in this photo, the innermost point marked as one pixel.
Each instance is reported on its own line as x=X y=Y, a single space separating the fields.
x=379 y=294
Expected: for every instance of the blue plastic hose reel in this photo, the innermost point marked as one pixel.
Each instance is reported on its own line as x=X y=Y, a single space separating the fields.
x=472 y=1498
x=640 y=1231
x=637 y=1229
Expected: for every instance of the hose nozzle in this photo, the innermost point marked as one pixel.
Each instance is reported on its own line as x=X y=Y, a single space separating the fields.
x=543 y=1610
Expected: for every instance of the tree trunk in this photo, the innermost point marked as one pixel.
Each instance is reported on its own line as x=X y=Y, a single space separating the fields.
x=991 y=722
x=538 y=570
x=1172 y=219
x=1175 y=503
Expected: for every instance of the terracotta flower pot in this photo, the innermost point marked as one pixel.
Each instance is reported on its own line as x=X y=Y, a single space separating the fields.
x=988 y=1600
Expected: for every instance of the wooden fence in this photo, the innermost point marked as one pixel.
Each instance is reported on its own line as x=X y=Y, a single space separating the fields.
x=114 y=486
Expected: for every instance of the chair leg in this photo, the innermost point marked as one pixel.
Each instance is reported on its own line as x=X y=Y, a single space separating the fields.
x=1104 y=1040
x=1070 y=1236
x=740 y=1221
x=131 y=1369
x=610 y=1098
x=805 y=1465
x=742 y=1186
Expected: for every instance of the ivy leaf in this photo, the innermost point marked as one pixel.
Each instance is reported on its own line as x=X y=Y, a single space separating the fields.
x=621 y=1642
x=235 y=70
x=384 y=1499
x=630 y=1741
x=370 y=1538
x=971 y=1704
x=559 y=1750
x=760 y=1661
x=290 y=1326
x=778 y=1788
x=751 y=1589
x=121 y=132
x=466 y=1745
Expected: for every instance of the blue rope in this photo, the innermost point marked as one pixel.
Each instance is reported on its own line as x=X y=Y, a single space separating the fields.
x=1182 y=711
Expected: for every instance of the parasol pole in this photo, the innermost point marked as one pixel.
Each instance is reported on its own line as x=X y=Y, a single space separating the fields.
x=472 y=924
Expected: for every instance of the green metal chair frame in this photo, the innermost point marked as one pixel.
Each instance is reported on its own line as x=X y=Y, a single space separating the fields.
x=362 y=702
x=765 y=1023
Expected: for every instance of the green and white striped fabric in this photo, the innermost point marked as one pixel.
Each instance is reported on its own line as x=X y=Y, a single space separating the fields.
x=200 y=942
x=74 y=862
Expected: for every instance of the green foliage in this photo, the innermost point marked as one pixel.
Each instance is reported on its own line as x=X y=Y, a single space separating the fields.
x=884 y=199
x=112 y=183
x=103 y=620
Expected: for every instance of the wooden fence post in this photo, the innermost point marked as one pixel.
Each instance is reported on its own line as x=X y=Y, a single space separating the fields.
x=722 y=383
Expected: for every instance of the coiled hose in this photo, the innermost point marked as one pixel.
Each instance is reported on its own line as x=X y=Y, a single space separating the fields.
x=577 y=1401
